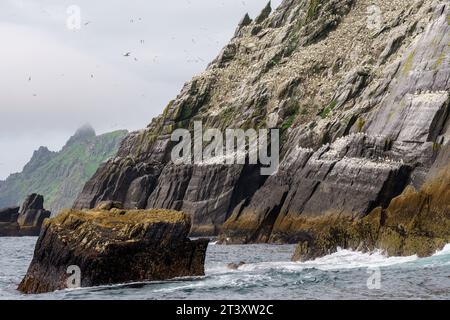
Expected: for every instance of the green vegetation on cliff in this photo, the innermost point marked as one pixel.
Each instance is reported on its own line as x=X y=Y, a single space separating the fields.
x=60 y=176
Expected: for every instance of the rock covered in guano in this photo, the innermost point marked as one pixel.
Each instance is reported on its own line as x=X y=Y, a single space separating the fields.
x=113 y=246
x=361 y=100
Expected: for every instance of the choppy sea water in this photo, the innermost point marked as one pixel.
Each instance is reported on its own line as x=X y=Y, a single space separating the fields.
x=268 y=274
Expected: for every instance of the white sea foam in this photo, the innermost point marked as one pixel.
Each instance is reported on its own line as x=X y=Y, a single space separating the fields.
x=348 y=259
x=342 y=259
x=281 y=277
x=443 y=252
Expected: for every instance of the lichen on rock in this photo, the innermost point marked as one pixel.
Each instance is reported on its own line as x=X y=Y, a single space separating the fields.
x=363 y=110
x=114 y=246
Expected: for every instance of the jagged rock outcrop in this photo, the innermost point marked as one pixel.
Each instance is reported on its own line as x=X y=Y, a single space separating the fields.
x=9 y=214
x=24 y=221
x=32 y=214
x=114 y=246
x=60 y=176
x=362 y=101
x=394 y=129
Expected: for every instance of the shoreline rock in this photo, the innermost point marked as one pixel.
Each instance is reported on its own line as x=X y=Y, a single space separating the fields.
x=416 y=222
x=60 y=175
x=25 y=221
x=114 y=246
x=235 y=266
x=357 y=126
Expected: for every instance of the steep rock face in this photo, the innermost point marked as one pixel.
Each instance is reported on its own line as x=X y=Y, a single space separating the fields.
x=114 y=246
x=389 y=146
x=60 y=176
x=361 y=100
x=32 y=213
x=24 y=221
x=416 y=222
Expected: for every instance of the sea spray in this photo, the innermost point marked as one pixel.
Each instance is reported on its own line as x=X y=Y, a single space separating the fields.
x=268 y=274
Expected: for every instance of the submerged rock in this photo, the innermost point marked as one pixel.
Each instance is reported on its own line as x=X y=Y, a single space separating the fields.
x=116 y=246
x=235 y=266
x=24 y=221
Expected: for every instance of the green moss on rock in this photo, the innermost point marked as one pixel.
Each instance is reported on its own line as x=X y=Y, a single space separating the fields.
x=313 y=10
x=328 y=109
x=408 y=65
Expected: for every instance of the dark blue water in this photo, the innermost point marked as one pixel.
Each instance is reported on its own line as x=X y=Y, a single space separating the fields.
x=268 y=274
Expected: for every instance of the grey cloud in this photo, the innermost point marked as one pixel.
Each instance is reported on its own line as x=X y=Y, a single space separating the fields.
x=180 y=38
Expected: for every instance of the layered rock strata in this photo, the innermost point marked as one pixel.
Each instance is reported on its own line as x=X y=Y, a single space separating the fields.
x=360 y=91
x=112 y=247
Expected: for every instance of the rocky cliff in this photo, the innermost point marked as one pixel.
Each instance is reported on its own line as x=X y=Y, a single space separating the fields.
x=60 y=176
x=416 y=222
x=360 y=91
x=109 y=245
x=26 y=220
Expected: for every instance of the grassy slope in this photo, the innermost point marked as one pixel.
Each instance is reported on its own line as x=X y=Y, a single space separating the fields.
x=61 y=177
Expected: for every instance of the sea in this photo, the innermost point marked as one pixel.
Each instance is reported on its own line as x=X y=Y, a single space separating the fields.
x=268 y=274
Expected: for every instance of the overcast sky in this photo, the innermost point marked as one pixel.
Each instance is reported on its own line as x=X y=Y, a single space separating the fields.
x=54 y=78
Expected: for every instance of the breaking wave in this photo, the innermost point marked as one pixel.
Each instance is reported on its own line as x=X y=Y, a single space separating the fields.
x=267 y=274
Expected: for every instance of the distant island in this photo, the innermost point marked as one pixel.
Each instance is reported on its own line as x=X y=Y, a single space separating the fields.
x=60 y=176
